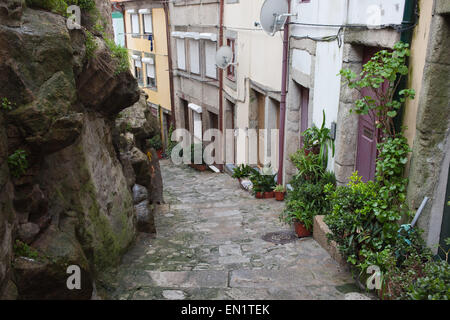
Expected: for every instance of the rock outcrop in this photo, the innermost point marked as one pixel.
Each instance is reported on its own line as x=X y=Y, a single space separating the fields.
x=134 y=127
x=73 y=204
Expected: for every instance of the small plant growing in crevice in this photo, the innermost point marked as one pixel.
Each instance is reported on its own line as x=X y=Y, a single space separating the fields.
x=22 y=249
x=91 y=45
x=17 y=163
x=120 y=54
x=6 y=105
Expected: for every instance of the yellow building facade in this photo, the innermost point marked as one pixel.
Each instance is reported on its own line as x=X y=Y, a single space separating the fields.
x=146 y=40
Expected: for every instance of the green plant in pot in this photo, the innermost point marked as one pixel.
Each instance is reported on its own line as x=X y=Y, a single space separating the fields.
x=317 y=141
x=279 y=191
x=242 y=171
x=197 y=149
x=268 y=181
x=301 y=215
x=309 y=165
x=257 y=182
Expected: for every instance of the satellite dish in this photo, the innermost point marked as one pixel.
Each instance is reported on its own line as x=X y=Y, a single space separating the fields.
x=274 y=14
x=224 y=57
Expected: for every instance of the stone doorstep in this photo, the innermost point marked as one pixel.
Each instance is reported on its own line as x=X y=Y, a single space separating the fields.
x=320 y=230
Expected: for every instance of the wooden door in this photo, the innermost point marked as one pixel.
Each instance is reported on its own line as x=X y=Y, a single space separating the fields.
x=368 y=134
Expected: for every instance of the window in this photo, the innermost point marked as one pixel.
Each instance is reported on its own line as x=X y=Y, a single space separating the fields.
x=135 y=24
x=148 y=26
x=210 y=59
x=138 y=70
x=231 y=71
x=194 y=56
x=150 y=72
x=181 y=54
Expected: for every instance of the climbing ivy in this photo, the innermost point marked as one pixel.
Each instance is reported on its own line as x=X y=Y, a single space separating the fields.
x=382 y=75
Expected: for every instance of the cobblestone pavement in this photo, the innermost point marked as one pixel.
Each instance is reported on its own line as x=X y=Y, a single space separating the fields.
x=209 y=246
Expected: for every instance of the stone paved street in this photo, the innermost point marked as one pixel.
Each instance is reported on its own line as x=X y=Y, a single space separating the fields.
x=209 y=246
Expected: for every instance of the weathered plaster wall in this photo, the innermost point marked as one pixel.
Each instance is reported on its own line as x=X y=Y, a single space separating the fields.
x=259 y=58
x=161 y=94
x=430 y=159
x=194 y=16
x=419 y=47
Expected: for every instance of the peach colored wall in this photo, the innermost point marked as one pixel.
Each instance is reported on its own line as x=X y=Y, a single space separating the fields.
x=160 y=96
x=419 y=47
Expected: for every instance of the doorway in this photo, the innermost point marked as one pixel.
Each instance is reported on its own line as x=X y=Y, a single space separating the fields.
x=368 y=134
x=304 y=111
x=230 y=124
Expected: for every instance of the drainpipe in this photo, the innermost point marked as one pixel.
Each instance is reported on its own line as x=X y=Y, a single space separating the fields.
x=283 y=97
x=409 y=18
x=221 y=18
x=169 y=54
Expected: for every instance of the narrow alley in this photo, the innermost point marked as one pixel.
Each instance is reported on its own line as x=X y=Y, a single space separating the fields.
x=209 y=246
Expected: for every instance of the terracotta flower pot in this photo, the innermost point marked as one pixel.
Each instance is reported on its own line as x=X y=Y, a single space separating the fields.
x=259 y=195
x=268 y=195
x=201 y=167
x=279 y=196
x=301 y=230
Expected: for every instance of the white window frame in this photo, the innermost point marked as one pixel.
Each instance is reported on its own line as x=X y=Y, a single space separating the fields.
x=137 y=63
x=148 y=66
x=181 y=54
x=210 y=59
x=194 y=56
x=145 y=26
x=133 y=26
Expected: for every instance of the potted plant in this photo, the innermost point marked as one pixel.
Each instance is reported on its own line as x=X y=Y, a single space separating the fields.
x=259 y=194
x=279 y=191
x=256 y=180
x=300 y=215
x=268 y=182
x=317 y=141
x=156 y=144
x=309 y=165
x=242 y=171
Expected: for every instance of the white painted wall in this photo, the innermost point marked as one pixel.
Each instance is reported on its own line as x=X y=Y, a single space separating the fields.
x=301 y=61
x=376 y=12
x=328 y=59
x=259 y=57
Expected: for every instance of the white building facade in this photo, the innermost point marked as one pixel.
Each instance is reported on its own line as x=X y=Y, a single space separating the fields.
x=326 y=36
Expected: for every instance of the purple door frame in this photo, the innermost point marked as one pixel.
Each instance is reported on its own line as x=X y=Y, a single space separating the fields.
x=368 y=134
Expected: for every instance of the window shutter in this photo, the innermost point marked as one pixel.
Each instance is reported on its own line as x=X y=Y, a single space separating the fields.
x=151 y=70
x=210 y=59
x=148 y=23
x=194 y=51
x=181 y=54
x=135 y=23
